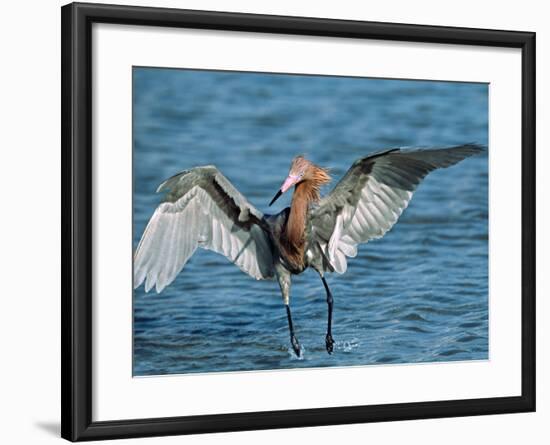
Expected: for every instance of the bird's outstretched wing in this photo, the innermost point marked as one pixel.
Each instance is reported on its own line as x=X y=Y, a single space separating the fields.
x=201 y=209
x=371 y=196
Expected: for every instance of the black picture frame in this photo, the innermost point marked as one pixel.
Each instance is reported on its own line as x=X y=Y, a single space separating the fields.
x=76 y=248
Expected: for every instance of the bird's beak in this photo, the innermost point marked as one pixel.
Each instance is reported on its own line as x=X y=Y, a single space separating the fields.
x=276 y=197
x=289 y=182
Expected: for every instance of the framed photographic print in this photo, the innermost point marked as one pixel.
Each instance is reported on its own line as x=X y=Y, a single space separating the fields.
x=282 y=221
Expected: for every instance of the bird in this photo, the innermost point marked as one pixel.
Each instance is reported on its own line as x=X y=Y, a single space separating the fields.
x=202 y=208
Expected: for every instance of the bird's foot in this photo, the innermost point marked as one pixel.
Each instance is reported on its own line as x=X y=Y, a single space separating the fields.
x=329 y=342
x=295 y=346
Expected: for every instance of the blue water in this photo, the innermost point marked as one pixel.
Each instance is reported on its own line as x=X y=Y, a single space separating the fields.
x=420 y=294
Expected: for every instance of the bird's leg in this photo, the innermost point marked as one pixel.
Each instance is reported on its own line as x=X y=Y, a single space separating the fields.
x=293 y=339
x=283 y=277
x=329 y=341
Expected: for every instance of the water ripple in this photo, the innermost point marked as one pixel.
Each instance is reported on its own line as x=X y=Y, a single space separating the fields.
x=418 y=294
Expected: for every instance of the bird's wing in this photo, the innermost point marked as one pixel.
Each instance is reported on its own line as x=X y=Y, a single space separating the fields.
x=201 y=209
x=371 y=196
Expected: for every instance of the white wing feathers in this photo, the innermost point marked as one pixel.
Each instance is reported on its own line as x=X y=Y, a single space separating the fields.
x=202 y=209
x=370 y=198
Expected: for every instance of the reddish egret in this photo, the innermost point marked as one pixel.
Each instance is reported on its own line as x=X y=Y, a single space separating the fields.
x=203 y=209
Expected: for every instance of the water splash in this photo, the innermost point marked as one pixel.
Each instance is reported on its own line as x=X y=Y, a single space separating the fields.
x=347 y=345
x=293 y=355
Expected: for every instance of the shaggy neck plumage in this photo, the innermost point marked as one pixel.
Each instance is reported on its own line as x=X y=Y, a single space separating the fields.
x=295 y=227
x=305 y=193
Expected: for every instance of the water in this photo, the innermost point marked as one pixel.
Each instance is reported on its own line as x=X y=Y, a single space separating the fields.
x=420 y=294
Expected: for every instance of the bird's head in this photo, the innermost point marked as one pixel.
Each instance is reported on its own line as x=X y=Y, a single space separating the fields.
x=302 y=170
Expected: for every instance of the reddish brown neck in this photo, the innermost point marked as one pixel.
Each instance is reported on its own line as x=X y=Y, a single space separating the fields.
x=304 y=193
x=298 y=211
